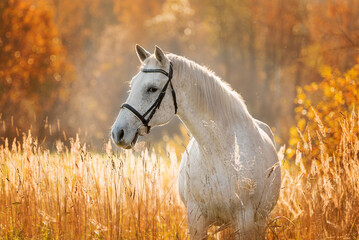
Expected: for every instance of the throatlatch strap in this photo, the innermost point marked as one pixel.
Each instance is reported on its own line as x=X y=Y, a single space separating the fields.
x=174 y=97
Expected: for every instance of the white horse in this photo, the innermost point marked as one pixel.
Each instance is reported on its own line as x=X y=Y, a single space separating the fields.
x=229 y=173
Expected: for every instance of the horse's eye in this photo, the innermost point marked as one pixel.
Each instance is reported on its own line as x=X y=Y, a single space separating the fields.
x=152 y=89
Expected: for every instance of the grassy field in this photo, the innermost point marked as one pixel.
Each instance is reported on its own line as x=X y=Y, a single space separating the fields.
x=72 y=193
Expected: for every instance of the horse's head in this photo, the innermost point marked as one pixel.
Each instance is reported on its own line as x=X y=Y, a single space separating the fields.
x=151 y=101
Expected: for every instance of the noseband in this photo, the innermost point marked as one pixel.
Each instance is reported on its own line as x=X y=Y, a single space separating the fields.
x=156 y=105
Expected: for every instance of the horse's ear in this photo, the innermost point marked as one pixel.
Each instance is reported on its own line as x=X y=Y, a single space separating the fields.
x=160 y=56
x=142 y=53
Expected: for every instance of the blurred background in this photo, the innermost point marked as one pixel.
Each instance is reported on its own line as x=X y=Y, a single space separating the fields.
x=65 y=65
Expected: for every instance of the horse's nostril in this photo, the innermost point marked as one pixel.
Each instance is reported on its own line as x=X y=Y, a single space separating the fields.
x=117 y=136
x=120 y=134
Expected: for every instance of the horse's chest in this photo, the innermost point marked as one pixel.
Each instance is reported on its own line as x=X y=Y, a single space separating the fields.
x=210 y=185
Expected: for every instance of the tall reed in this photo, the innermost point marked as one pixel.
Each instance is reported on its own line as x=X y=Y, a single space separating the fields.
x=75 y=194
x=320 y=193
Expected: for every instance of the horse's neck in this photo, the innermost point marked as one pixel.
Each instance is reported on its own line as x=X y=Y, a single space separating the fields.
x=214 y=128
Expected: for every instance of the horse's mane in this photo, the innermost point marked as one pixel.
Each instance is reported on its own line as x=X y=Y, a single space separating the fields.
x=213 y=95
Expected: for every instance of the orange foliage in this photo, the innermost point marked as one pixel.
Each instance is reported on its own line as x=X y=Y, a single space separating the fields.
x=32 y=63
x=320 y=195
x=321 y=107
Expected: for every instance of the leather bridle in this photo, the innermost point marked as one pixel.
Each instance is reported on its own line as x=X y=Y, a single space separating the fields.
x=156 y=105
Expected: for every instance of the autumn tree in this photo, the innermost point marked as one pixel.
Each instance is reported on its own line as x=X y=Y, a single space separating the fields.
x=33 y=67
x=334 y=32
x=81 y=23
x=320 y=108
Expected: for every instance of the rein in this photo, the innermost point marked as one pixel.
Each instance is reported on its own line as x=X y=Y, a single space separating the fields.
x=156 y=105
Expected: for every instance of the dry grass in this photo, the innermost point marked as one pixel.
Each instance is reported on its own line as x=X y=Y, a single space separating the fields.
x=320 y=195
x=75 y=194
